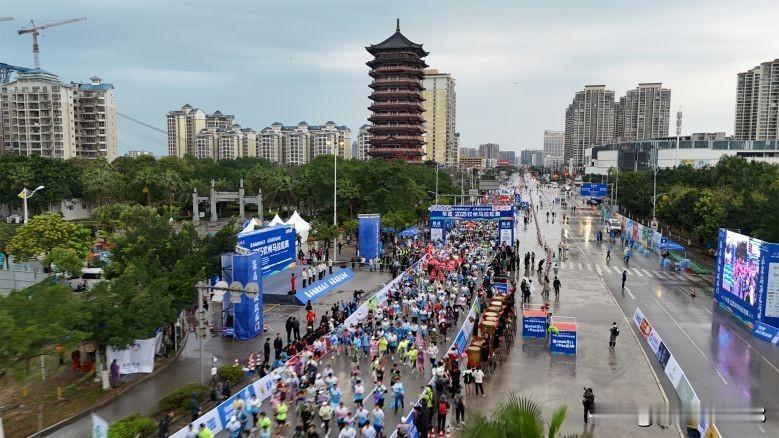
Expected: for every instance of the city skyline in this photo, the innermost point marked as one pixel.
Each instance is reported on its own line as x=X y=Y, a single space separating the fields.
x=515 y=73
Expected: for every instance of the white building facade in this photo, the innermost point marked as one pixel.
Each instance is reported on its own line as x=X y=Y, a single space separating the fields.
x=41 y=115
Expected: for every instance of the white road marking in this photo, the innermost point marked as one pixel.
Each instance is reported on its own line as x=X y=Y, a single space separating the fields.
x=580 y=266
x=606 y=269
x=570 y=265
x=688 y=277
x=630 y=294
x=589 y=267
x=761 y=428
x=646 y=272
x=597 y=270
x=684 y=332
x=637 y=272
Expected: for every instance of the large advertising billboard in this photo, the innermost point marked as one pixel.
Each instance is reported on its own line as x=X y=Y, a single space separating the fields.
x=747 y=279
x=276 y=246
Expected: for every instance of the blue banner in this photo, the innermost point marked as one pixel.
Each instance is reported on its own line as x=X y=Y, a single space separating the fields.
x=437 y=230
x=275 y=244
x=245 y=268
x=595 y=190
x=226 y=409
x=506 y=232
x=501 y=287
x=563 y=341
x=247 y=317
x=368 y=233
x=324 y=287
x=766 y=333
x=474 y=212
x=534 y=327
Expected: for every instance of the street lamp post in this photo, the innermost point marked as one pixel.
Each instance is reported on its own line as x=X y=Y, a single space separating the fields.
x=25 y=194
x=436 y=184
x=335 y=202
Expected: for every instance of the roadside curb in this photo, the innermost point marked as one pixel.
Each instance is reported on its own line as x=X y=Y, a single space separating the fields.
x=67 y=421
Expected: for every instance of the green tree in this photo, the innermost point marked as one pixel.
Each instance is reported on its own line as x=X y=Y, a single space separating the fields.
x=130 y=306
x=34 y=320
x=147 y=178
x=172 y=182
x=66 y=260
x=349 y=191
x=46 y=232
x=100 y=184
x=518 y=417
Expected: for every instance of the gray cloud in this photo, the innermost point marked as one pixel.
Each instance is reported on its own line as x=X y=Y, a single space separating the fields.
x=235 y=56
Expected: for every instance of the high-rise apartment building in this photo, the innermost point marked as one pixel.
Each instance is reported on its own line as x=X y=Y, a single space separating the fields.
x=301 y=143
x=363 y=143
x=532 y=157
x=757 y=103
x=489 y=151
x=440 y=103
x=508 y=156
x=43 y=116
x=183 y=127
x=397 y=122
x=185 y=124
x=643 y=113
x=554 y=148
x=469 y=152
x=589 y=120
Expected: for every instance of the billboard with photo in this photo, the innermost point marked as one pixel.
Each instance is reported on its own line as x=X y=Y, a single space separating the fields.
x=747 y=280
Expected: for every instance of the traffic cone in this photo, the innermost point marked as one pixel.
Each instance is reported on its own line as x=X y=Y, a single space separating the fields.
x=692 y=292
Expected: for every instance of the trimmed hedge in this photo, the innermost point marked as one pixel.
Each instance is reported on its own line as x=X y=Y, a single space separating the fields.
x=132 y=426
x=231 y=373
x=178 y=399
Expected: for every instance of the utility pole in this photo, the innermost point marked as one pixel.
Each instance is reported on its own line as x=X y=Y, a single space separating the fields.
x=335 y=202
x=202 y=327
x=678 y=133
x=436 y=184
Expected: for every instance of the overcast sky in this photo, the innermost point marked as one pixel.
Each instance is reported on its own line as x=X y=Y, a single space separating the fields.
x=517 y=64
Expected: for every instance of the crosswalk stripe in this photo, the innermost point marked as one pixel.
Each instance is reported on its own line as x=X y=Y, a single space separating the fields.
x=646 y=272
x=688 y=277
x=637 y=272
x=589 y=267
x=580 y=266
x=570 y=265
x=597 y=269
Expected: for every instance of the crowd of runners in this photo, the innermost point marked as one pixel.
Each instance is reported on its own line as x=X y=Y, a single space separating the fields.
x=406 y=332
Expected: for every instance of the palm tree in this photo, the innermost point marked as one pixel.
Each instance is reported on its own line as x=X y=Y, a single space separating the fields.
x=171 y=180
x=349 y=191
x=518 y=417
x=147 y=177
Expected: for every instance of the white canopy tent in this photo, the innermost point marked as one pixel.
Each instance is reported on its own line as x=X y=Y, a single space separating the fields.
x=251 y=226
x=276 y=221
x=301 y=227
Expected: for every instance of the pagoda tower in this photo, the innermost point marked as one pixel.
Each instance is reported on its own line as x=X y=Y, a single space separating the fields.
x=397 y=125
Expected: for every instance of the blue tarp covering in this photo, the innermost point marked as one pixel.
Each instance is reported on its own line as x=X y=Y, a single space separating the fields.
x=410 y=232
x=671 y=246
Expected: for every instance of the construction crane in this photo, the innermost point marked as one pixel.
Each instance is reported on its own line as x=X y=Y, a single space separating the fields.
x=33 y=29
